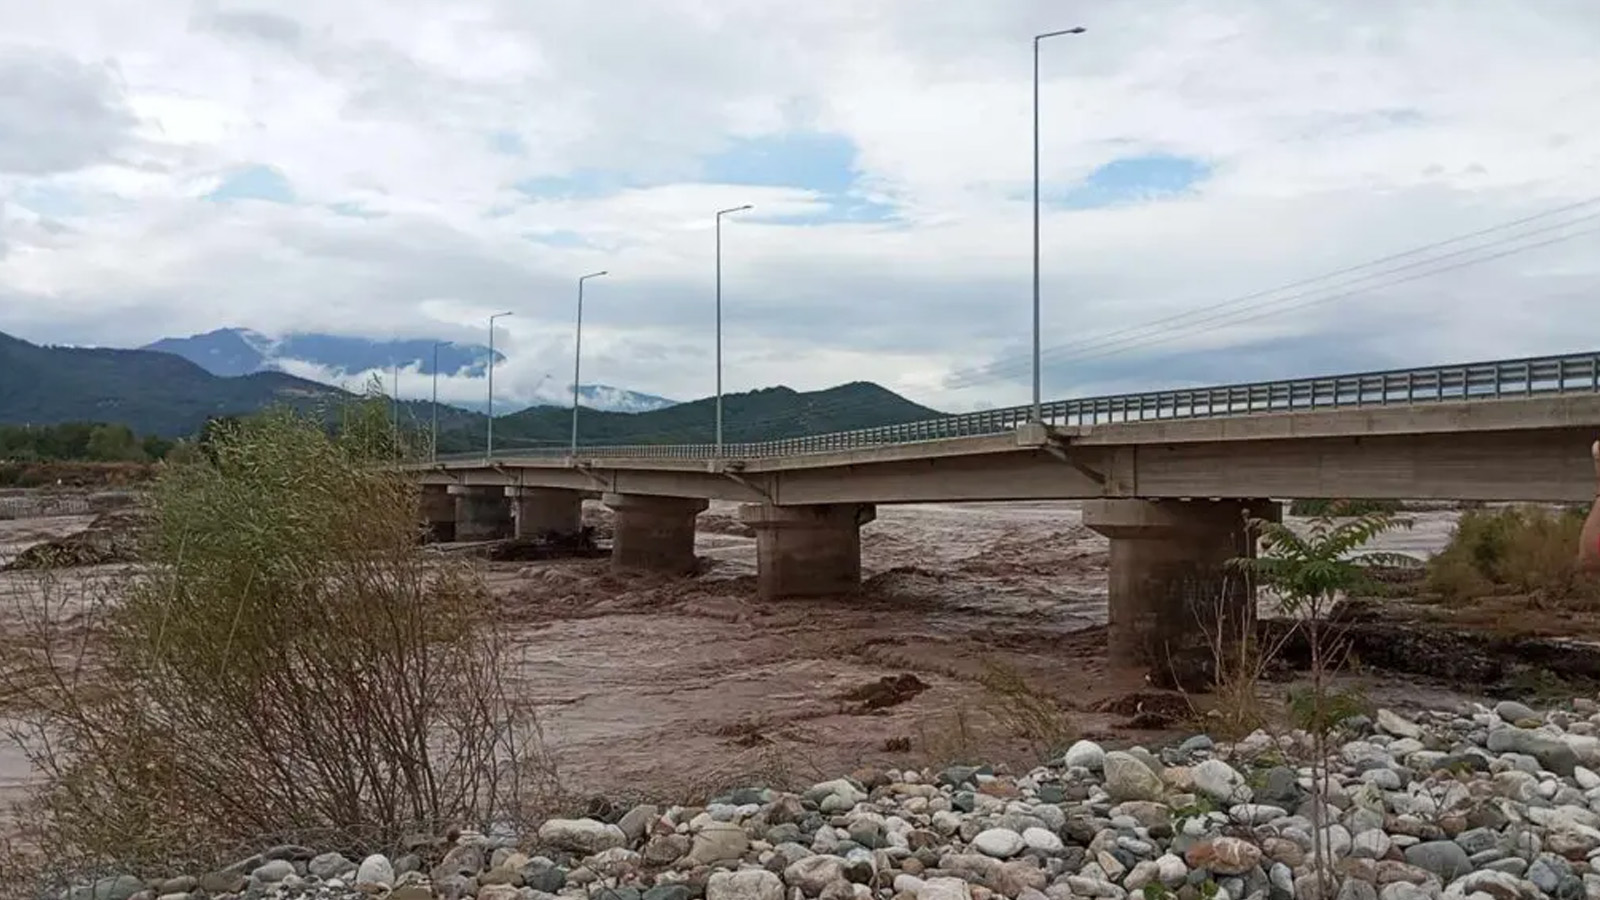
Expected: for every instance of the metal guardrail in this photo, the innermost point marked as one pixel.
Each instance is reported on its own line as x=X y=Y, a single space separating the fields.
x=1575 y=373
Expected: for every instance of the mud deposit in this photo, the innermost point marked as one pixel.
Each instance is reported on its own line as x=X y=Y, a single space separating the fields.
x=972 y=617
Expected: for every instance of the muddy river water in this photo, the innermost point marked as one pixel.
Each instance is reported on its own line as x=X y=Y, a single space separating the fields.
x=674 y=687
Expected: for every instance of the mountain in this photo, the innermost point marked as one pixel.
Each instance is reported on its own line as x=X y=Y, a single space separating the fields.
x=762 y=415
x=149 y=391
x=232 y=352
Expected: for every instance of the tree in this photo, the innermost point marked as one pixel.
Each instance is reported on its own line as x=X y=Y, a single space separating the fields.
x=1309 y=573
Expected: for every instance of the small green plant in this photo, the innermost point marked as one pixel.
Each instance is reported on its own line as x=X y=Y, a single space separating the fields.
x=1155 y=890
x=1201 y=807
x=1321 y=506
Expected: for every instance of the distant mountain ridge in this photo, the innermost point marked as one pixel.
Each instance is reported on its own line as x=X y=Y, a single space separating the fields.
x=160 y=393
x=231 y=352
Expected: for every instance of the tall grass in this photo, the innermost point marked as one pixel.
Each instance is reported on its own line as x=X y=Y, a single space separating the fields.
x=288 y=668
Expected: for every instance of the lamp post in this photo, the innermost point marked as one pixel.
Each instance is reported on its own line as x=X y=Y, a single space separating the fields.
x=720 y=214
x=1037 y=413
x=489 y=444
x=577 y=358
x=433 y=431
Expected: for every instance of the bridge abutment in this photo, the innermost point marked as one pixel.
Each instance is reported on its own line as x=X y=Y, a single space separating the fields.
x=483 y=512
x=1170 y=582
x=807 y=551
x=438 y=512
x=652 y=533
x=544 y=512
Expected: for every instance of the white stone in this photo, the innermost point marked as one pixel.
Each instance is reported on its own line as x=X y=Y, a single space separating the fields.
x=1256 y=813
x=944 y=889
x=1373 y=844
x=1000 y=843
x=584 y=836
x=1398 y=725
x=375 y=870
x=1040 y=839
x=1086 y=754
x=1586 y=778
x=745 y=884
x=814 y=873
x=1174 y=871
x=1129 y=779
x=1219 y=781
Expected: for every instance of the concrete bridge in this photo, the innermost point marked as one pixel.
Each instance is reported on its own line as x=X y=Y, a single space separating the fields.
x=1171 y=478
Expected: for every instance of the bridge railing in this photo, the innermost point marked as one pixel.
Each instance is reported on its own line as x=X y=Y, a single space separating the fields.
x=1574 y=373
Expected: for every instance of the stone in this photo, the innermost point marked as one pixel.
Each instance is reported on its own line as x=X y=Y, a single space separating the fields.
x=1513 y=712
x=273 y=871
x=1224 y=855
x=116 y=887
x=944 y=889
x=1085 y=754
x=1220 y=781
x=636 y=823
x=1393 y=723
x=1445 y=859
x=1356 y=889
x=814 y=873
x=670 y=892
x=330 y=865
x=375 y=870
x=665 y=849
x=1401 y=890
x=719 y=841
x=1256 y=813
x=1370 y=844
x=585 y=836
x=1552 y=752
x=746 y=884
x=1200 y=743
x=1126 y=778
x=1172 y=870
x=1000 y=843
x=489 y=892
x=1042 y=840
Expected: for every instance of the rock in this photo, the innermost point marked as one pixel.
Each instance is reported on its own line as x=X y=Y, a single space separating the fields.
x=1401 y=890
x=747 y=884
x=375 y=870
x=719 y=841
x=1172 y=870
x=116 y=887
x=1397 y=725
x=1224 y=855
x=1085 y=754
x=1126 y=778
x=814 y=873
x=1282 y=788
x=463 y=859
x=1200 y=743
x=273 y=871
x=669 y=892
x=636 y=823
x=1255 y=813
x=1356 y=889
x=544 y=878
x=1220 y=781
x=489 y=892
x=330 y=865
x=585 y=836
x=1445 y=859
x=1043 y=841
x=666 y=849
x=1000 y=843
x=1551 y=752
x=1370 y=844
x=1513 y=712
x=944 y=889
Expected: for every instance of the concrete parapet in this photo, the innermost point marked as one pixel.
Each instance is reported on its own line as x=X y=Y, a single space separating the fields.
x=1170 y=582
x=545 y=512
x=653 y=534
x=483 y=513
x=438 y=512
x=807 y=551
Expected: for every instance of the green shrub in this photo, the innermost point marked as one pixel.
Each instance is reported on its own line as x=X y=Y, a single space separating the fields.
x=1513 y=550
x=1311 y=507
x=288 y=669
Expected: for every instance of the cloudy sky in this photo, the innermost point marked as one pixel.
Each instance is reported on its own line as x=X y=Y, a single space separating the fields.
x=407 y=167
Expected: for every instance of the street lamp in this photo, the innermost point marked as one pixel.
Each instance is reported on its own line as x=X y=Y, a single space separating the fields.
x=1037 y=414
x=720 y=214
x=489 y=444
x=577 y=358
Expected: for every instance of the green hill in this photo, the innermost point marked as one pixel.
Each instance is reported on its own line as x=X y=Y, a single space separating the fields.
x=162 y=394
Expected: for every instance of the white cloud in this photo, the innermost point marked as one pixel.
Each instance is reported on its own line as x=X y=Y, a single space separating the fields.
x=1334 y=132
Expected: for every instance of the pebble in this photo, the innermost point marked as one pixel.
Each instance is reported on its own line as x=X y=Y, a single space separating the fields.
x=1001 y=843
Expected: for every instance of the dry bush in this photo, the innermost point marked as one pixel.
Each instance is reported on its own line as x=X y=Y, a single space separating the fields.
x=1026 y=713
x=1514 y=550
x=289 y=668
x=1239 y=660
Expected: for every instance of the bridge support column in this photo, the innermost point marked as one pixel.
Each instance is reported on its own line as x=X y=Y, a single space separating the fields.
x=483 y=513
x=653 y=534
x=542 y=512
x=1170 y=580
x=807 y=551
x=438 y=511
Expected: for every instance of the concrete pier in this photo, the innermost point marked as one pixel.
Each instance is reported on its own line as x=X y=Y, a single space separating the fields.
x=652 y=533
x=438 y=512
x=546 y=512
x=483 y=513
x=807 y=551
x=1170 y=580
